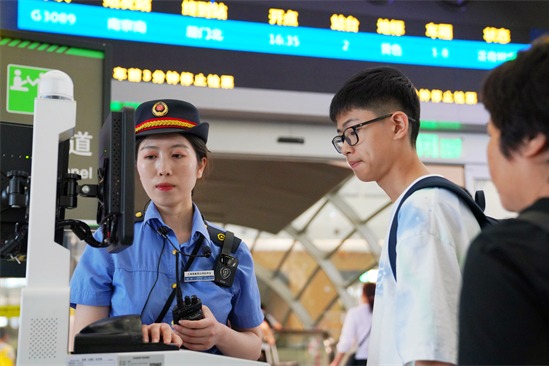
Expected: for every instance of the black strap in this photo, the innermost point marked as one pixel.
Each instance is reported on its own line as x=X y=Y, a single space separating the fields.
x=218 y=238
x=228 y=243
x=480 y=199
x=365 y=337
x=537 y=218
x=172 y=294
x=166 y=307
x=432 y=182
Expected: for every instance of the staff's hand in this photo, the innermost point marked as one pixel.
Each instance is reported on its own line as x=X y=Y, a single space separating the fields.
x=199 y=335
x=156 y=332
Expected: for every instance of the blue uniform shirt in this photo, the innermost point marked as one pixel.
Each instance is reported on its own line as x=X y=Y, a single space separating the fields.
x=125 y=280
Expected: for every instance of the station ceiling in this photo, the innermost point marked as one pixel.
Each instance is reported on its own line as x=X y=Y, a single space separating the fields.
x=262 y=193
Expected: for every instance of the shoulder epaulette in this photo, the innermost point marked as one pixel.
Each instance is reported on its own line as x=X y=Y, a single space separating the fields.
x=139 y=216
x=218 y=237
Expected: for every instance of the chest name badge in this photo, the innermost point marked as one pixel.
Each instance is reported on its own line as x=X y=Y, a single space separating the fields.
x=195 y=276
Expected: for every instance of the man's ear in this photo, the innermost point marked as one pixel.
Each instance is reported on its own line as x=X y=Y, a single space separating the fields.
x=401 y=125
x=534 y=146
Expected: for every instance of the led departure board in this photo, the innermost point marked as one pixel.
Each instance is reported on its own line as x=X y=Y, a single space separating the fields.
x=275 y=45
x=273 y=37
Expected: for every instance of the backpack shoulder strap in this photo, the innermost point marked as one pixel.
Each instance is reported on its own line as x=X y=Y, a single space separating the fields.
x=432 y=182
x=480 y=199
x=537 y=218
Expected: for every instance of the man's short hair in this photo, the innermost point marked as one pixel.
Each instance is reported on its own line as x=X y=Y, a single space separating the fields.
x=516 y=94
x=382 y=90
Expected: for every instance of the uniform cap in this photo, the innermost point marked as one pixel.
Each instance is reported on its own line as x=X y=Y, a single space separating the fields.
x=168 y=116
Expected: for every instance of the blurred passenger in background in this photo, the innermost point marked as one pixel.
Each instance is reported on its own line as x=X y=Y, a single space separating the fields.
x=270 y=319
x=7 y=352
x=356 y=329
x=504 y=310
x=415 y=319
x=269 y=326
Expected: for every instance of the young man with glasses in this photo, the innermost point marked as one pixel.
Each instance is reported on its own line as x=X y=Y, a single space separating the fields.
x=377 y=115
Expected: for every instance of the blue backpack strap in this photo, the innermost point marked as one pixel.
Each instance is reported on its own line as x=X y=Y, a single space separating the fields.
x=433 y=182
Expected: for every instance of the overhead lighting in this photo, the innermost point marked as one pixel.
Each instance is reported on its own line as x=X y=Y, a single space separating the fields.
x=369 y=276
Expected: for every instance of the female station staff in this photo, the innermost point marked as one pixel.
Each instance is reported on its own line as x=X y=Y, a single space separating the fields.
x=171 y=157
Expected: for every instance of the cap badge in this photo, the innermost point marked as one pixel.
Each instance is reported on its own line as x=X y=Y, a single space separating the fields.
x=160 y=109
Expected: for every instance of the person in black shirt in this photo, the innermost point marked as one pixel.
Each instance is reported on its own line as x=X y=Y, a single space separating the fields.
x=504 y=306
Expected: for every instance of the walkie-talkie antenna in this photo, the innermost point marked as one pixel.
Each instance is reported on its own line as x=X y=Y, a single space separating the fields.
x=178 y=294
x=190 y=309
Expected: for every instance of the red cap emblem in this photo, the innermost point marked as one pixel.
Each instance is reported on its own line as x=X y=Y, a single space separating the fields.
x=160 y=109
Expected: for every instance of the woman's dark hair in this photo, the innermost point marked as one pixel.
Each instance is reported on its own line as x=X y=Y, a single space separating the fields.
x=199 y=146
x=516 y=94
x=382 y=90
x=369 y=291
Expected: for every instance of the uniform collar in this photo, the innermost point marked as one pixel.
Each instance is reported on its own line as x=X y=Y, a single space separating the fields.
x=153 y=218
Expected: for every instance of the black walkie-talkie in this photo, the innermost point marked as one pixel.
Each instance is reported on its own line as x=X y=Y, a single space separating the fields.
x=191 y=308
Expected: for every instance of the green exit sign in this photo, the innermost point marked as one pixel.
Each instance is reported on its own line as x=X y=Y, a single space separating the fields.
x=430 y=145
x=22 y=87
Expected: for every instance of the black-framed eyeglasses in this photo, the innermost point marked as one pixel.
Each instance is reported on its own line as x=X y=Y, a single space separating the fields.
x=350 y=135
